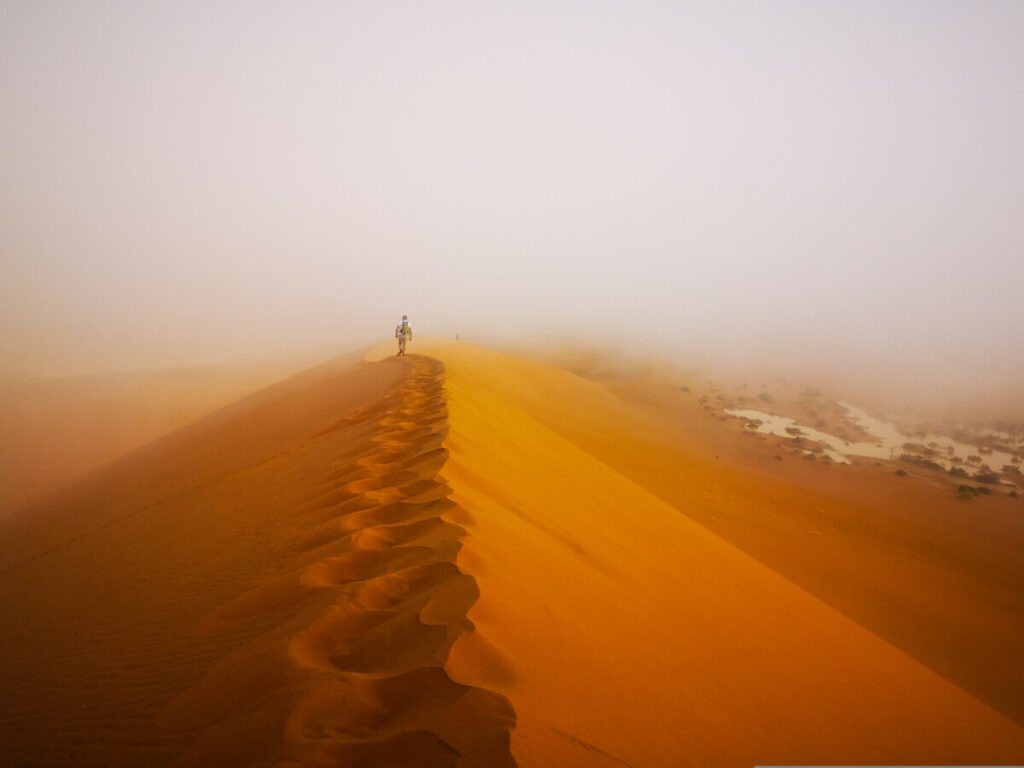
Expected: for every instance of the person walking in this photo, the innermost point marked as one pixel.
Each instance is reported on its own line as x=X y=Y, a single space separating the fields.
x=403 y=332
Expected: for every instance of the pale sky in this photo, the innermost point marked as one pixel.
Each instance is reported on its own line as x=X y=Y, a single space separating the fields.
x=193 y=182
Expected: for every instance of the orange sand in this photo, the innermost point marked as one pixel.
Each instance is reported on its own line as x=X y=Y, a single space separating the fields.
x=54 y=430
x=453 y=559
x=622 y=631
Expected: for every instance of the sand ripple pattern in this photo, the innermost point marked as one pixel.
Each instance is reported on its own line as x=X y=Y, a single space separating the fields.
x=367 y=611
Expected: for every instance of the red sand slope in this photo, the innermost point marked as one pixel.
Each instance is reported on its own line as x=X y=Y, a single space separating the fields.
x=622 y=631
x=401 y=563
x=54 y=430
x=938 y=577
x=273 y=583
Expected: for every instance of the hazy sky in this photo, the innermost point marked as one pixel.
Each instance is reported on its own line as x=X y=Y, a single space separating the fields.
x=189 y=182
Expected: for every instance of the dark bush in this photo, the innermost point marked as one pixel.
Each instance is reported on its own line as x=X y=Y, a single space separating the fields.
x=965 y=492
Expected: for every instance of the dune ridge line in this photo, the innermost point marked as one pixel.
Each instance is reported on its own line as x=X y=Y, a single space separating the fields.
x=372 y=602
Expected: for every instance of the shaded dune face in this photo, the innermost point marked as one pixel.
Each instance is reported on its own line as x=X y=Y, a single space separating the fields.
x=292 y=605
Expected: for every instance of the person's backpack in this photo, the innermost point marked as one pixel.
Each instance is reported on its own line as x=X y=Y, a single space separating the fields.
x=405 y=328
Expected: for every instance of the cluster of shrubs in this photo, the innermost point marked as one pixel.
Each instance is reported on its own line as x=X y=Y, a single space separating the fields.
x=969 y=491
x=982 y=477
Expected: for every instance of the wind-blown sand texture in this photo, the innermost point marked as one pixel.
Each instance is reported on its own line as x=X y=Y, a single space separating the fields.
x=424 y=561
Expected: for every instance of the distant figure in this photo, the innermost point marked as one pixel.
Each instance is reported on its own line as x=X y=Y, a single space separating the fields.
x=403 y=332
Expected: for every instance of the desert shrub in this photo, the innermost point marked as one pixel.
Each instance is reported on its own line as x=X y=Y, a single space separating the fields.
x=965 y=492
x=958 y=472
x=901 y=472
x=987 y=477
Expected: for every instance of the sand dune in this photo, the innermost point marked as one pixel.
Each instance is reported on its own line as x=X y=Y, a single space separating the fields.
x=274 y=581
x=442 y=560
x=670 y=646
x=54 y=430
x=903 y=556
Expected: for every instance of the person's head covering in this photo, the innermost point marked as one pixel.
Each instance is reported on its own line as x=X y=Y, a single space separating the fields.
x=405 y=317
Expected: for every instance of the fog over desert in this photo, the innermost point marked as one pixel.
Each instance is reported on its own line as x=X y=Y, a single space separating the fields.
x=706 y=447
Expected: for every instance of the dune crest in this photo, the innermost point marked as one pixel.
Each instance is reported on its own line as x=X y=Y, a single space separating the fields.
x=296 y=607
x=378 y=602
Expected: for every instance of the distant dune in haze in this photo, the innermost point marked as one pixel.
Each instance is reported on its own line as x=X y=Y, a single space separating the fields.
x=55 y=429
x=468 y=558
